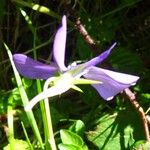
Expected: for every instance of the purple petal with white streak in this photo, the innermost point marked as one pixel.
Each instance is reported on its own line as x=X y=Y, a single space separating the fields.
x=100 y=58
x=112 y=82
x=60 y=45
x=33 y=69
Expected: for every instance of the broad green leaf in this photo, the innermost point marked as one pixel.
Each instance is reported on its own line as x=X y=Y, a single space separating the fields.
x=18 y=145
x=146 y=95
x=83 y=49
x=119 y=130
x=78 y=127
x=125 y=61
x=69 y=147
x=141 y=145
x=69 y=137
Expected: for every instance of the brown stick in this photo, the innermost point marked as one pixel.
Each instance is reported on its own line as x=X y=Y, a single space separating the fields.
x=129 y=94
x=85 y=35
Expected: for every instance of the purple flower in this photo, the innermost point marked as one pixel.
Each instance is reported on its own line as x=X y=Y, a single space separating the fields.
x=112 y=82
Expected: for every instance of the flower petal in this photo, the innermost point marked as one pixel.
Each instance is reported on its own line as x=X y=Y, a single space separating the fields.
x=101 y=57
x=112 y=82
x=33 y=69
x=60 y=45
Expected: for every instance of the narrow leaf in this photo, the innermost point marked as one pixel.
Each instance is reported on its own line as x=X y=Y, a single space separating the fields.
x=24 y=98
x=37 y=7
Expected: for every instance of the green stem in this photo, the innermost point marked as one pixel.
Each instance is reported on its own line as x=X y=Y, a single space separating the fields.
x=39 y=89
x=27 y=138
x=43 y=112
x=10 y=123
x=50 y=134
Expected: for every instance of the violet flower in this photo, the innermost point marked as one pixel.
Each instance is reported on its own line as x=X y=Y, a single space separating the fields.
x=107 y=83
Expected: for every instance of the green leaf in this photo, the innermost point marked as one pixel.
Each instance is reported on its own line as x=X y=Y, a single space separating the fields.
x=18 y=145
x=26 y=82
x=78 y=127
x=69 y=137
x=141 y=145
x=119 y=130
x=68 y=147
x=71 y=147
x=146 y=96
x=125 y=61
x=37 y=7
x=24 y=98
x=83 y=49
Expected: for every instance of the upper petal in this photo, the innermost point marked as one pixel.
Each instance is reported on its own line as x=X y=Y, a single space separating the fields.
x=112 y=82
x=33 y=69
x=60 y=45
x=101 y=57
x=81 y=69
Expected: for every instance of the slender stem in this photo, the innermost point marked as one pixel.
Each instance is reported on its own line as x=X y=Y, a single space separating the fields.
x=50 y=134
x=38 y=84
x=42 y=107
x=50 y=138
x=27 y=138
x=10 y=123
x=131 y=96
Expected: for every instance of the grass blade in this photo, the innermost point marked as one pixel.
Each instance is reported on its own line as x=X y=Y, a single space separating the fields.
x=25 y=100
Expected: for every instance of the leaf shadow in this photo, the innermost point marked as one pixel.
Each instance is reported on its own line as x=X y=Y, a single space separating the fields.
x=125 y=125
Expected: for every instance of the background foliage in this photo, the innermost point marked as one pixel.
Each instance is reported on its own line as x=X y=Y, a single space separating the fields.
x=104 y=125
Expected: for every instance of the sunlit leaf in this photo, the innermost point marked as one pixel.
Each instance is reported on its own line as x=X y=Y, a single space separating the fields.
x=78 y=127
x=72 y=139
x=37 y=7
x=119 y=130
x=18 y=145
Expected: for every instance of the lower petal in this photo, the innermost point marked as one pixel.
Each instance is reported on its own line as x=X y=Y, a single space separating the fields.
x=112 y=82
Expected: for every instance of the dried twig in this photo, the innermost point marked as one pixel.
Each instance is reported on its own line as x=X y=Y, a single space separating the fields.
x=129 y=94
x=85 y=35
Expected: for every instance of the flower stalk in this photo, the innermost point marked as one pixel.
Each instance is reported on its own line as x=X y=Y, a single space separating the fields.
x=49 y=135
